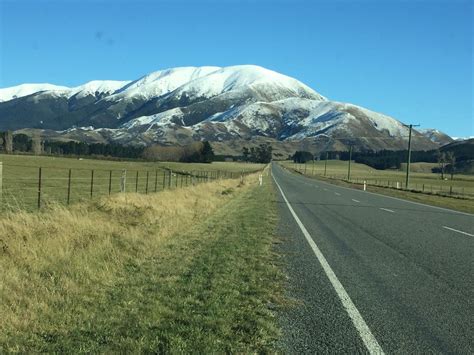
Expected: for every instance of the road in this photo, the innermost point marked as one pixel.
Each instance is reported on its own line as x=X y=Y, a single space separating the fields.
x=370 y=273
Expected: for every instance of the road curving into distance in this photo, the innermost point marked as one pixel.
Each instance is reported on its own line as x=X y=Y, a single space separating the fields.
x=371 y=273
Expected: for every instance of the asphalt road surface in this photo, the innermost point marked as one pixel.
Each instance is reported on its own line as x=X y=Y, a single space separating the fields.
x=373 y=274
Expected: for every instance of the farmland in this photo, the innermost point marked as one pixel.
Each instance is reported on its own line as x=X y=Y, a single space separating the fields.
x=424 y=186
x=67 y=180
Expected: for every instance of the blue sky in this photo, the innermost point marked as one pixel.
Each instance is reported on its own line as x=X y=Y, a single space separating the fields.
x=409 y=59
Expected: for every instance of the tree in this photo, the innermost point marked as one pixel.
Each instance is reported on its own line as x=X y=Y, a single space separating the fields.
x=246 y=153
x=207 y=152
x=441 y=157
x=302 y=156
x=8 y=142
x=21 y=142
x=261 y=154
x=36 y=144
x=451 y=158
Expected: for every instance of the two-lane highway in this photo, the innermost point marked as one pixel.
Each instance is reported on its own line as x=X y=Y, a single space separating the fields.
x=373 y=273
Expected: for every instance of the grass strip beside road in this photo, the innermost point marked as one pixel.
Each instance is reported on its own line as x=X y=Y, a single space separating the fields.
x=453 y=203
x=132 y=279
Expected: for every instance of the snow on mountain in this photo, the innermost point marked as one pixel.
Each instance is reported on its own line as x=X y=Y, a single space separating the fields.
x=14 y=92
x=213 y=103
x=436 y=136
x=91 y=88
x=97 y=86
x=163 y=81
x=249 y=77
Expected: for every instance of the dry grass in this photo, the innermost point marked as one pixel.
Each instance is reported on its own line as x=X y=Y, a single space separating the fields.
x=21 y=175
x=64 y=259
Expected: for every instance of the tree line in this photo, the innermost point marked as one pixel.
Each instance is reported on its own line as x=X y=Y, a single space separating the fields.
x=198 y=152
x=261 y=154
x=393 y=159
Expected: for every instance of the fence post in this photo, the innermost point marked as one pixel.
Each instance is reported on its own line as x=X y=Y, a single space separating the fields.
x=123 y=181
x=1 y=179
x=156 y=179
x=176 y=181
x=110 y=182
x=450 y=189
x=181 y=180
x=169 y=178
x=69 y=187
x=92 y=182
x=136 y=182
x=164 y=180
x=39 y=188
x=146 y=187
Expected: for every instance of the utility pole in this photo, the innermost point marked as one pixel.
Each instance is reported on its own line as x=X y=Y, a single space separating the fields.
x=312 y=169
x=349 y=166
x=326 y=163
x=407 y=179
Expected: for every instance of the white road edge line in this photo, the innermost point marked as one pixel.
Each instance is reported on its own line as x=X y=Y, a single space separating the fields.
x=458 y=231
x=355 y=200
x=337 y=193
x=390 y=197
x=366 y=335
x=386 y=209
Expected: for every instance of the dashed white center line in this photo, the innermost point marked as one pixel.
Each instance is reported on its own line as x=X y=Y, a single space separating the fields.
x=325 y=189
x=355 y=200
x=337 y=193
x=458 y=231
x=387 y=210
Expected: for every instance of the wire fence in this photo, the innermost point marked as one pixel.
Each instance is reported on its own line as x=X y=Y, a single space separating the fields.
x=28 y=188
x=444 y=188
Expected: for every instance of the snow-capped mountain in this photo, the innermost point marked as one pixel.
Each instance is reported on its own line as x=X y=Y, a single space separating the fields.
x=192 y=103
x=436 y=136
x=14 y=92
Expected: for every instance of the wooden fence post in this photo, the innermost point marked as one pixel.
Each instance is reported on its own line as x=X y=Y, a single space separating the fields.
x=110 y=182
x=69 y=187
x=39 y=188
x=146 y=187
x=136 y=183
x=1 y=179
x=123 y=181
x=92 y=182
x=156 y=179
x=164 y=180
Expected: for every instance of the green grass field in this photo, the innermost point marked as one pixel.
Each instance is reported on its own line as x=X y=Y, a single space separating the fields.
x=21 y=177
x=455 y=194
x=461 y=186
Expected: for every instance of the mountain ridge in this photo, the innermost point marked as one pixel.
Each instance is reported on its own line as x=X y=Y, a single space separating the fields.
x=180 y=105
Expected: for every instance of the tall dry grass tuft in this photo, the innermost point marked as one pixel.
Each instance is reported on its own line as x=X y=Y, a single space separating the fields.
x=62 y=257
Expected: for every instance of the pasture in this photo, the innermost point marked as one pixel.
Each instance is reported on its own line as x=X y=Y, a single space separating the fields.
x=69 y=180
x=421 y=179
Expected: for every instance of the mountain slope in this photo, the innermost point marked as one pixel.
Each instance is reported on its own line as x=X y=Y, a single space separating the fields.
x=180 y=105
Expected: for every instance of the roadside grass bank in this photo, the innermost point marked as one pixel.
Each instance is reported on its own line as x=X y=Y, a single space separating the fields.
x=191 y=270
x=450 y=202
